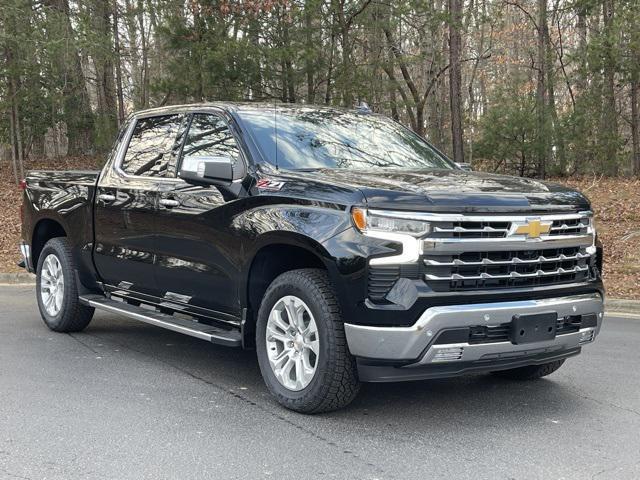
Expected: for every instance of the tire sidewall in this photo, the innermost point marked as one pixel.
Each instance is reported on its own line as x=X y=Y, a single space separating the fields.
x=318 y=384
x=54 y=322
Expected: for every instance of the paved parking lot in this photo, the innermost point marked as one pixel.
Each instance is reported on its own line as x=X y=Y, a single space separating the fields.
x=125 y=400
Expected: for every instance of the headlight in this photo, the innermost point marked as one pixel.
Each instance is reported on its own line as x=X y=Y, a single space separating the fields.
x=365 y=221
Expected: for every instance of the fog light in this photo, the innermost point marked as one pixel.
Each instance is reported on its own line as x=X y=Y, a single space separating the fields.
x=448 y=354
x=586 y=337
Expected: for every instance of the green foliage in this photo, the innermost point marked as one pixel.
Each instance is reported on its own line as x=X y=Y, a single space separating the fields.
x=60 y=58
x=508 y=139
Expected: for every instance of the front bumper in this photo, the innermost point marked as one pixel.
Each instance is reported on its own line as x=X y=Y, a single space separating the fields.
x=407 y=353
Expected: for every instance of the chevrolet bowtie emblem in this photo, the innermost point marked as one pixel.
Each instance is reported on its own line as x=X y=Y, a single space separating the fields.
x=533 y=228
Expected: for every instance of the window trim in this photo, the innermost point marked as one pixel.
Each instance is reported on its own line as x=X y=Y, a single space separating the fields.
x=117 y=165
x=124 y=146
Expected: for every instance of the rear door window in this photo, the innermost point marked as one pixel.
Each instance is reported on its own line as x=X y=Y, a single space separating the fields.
x=152 y=147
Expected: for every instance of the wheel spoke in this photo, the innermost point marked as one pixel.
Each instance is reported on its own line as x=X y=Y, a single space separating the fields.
x=281 y=358
x=50 y=301
x=285 y=372
x=276 y=336
x=291 y=312
x=306 y=363
x=276 y=317
x=58 y=299
x=314 y=346
x=46 y=276
x=301 y=376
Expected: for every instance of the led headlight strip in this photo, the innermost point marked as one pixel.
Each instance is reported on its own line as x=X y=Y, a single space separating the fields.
x=400 y=230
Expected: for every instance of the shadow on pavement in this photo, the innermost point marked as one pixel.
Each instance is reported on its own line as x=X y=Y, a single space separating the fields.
x=470 y=401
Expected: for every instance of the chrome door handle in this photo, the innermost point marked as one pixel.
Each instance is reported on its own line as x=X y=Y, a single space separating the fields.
x=106 y=197
x=169 y=203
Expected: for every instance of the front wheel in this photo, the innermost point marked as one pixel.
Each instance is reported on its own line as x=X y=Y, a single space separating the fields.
x=301 y=345
x=57 y=289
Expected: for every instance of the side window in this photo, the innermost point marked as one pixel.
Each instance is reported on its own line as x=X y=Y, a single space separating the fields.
x=151 y=146
x=209 y=136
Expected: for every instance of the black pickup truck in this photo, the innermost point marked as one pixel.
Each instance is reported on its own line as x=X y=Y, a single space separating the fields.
x=340 y=245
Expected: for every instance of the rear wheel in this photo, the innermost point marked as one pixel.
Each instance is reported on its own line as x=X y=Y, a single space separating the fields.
x=57 y=289
x=301 y=345
x=530 y=372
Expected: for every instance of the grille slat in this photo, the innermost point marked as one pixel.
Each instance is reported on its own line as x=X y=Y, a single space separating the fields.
x=485 y=276
x=512 y=261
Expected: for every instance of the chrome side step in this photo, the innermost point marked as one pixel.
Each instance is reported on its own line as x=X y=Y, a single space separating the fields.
x=229 y=338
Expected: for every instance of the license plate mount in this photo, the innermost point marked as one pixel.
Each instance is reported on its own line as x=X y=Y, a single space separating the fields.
x=533 y=327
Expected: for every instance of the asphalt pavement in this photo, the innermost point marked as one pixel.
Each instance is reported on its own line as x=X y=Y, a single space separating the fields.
x=126 y=400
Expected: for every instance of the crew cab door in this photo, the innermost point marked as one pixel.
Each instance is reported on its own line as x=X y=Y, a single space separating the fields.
x=127 y=200
x=195 y=264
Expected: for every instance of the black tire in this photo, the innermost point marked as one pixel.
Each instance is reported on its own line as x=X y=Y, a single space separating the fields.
x=335 y=383
x=73 y=316
x=530 y=372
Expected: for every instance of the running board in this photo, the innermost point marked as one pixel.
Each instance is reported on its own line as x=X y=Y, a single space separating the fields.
x=229 y=338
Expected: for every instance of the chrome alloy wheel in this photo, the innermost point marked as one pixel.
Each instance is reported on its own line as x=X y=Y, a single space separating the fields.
x=52 y=285
x=292 y=343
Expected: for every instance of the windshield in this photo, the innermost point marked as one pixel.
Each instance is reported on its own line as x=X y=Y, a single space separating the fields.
x=313 y=138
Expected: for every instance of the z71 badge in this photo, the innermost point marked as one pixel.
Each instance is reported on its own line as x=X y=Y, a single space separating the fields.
x=269 y=185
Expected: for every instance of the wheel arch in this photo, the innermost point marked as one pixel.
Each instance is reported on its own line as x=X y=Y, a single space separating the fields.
x=275 y=255
x=44 y=230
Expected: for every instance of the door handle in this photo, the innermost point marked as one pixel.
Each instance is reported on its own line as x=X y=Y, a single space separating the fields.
x=106 y=197
x=169 y=203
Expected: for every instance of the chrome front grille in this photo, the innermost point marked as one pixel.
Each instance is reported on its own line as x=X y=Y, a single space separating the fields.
x=558 y=252
x=470 y=252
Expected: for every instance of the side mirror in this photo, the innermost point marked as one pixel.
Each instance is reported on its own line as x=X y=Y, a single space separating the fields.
x=465 y=166
x=202 y=170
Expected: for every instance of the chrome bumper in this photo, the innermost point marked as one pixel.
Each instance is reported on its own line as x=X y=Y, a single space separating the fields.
x=414 y=344
x=25 y=250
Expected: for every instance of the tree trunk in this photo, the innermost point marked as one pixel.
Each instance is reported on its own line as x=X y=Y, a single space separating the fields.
x=455 y=79
x=635 y=124
x=332 y=49
x=609 y=114
x=541 y=89
x=134 y=56
x=116 y=44
x=144 y=87
x=14 y=116
x=308 y=64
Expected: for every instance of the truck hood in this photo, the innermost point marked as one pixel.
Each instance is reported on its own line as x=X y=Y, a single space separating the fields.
x=454 y=191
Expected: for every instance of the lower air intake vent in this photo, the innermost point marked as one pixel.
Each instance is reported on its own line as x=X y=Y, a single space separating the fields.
x=382 y=280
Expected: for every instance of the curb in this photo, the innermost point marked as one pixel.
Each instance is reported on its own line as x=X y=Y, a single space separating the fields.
x=617 y=305
x=620 y=305
x=17 y=278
